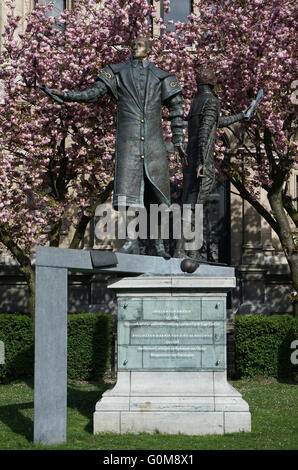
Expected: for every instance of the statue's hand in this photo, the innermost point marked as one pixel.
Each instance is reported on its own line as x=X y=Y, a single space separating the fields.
x=180 y=153
x=253 y=106
x=54 y=94
x=200 y=171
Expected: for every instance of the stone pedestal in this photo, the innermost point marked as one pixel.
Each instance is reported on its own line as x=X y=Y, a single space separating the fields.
x=172 y=358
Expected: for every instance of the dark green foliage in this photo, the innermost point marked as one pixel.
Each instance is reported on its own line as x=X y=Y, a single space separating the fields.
x=263 y=345
x=16 y=333
x=89 y=344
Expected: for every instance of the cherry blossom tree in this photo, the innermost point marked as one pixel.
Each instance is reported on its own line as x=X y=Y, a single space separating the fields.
x=57 y=161
x=251 y=46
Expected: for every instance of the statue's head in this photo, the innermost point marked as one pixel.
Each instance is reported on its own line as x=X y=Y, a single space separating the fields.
x=206 y=77
x=141 y=48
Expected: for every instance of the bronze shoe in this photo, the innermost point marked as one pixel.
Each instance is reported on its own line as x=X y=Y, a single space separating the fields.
x=130 y=247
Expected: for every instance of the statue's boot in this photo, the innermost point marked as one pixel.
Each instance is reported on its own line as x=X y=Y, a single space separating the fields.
x=195 y=255
x=188 y=221
x=130 y=247
x=179 y=250
x=160 y=249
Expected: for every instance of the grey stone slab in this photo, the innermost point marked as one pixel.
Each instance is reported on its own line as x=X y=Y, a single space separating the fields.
x=213 y=309
x=214 y=357
x=219 y=332
x=176 y=283
x=177 y=334
x=122 y=386
x=63 y=258
x=237 y=421
x=129 y=358
x=168 y=333
x=209 y=281
x=50 y=373
x=172 y=404
x=168 y=383
x=221 y=385
x=172 y=383
x=131 y=264
x=130 y=308
x=112 y=403
x=106 y=422
x=226 y=403
x=171 y=308
x=189 y=423
x=173 y=358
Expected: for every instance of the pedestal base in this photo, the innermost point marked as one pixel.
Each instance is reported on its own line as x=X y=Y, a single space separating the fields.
x=193 y=403
x=172 y=358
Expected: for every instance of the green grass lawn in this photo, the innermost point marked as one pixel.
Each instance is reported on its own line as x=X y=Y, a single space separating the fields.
x=273 y=406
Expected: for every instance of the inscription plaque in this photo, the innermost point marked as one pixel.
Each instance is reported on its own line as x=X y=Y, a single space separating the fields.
x=171 y=334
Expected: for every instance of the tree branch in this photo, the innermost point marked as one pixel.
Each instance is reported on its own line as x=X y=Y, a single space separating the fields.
x=244 y=193
x=290 y=208
x=85 y=219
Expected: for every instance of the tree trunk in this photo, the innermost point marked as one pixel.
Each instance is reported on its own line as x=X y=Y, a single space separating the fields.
x=285 y=235
x=29 y=273
x=85 y=219
x=25 y=266
x=54 y=236
x=293 y=264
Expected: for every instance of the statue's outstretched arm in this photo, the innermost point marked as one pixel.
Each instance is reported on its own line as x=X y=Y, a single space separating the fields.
x=225 y=121
x=91 y=95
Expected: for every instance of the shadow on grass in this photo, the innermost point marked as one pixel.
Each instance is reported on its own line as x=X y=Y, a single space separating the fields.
x=12 y=416
x=288 y=380
x=82 y=400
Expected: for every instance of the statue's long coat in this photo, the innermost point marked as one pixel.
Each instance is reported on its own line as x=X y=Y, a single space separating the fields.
x=140 y=149
x=203 y=121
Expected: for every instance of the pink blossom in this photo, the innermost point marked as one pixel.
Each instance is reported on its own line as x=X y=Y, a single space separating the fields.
x=249 y=44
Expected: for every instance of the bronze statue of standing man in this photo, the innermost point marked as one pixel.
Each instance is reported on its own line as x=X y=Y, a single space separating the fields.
x=141 y=164
x=203 y=121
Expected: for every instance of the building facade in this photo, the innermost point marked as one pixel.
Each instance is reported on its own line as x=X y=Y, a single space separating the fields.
x=239 y=236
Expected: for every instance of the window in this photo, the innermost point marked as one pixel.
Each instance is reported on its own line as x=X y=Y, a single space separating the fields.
x=60 y=5
x=179 y=11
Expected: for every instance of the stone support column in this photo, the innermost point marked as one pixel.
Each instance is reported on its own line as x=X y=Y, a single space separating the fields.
x=50 y=372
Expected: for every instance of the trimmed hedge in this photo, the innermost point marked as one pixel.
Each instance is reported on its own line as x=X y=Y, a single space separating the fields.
x=262 y=345
x=16 y=334
x=89 y=346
